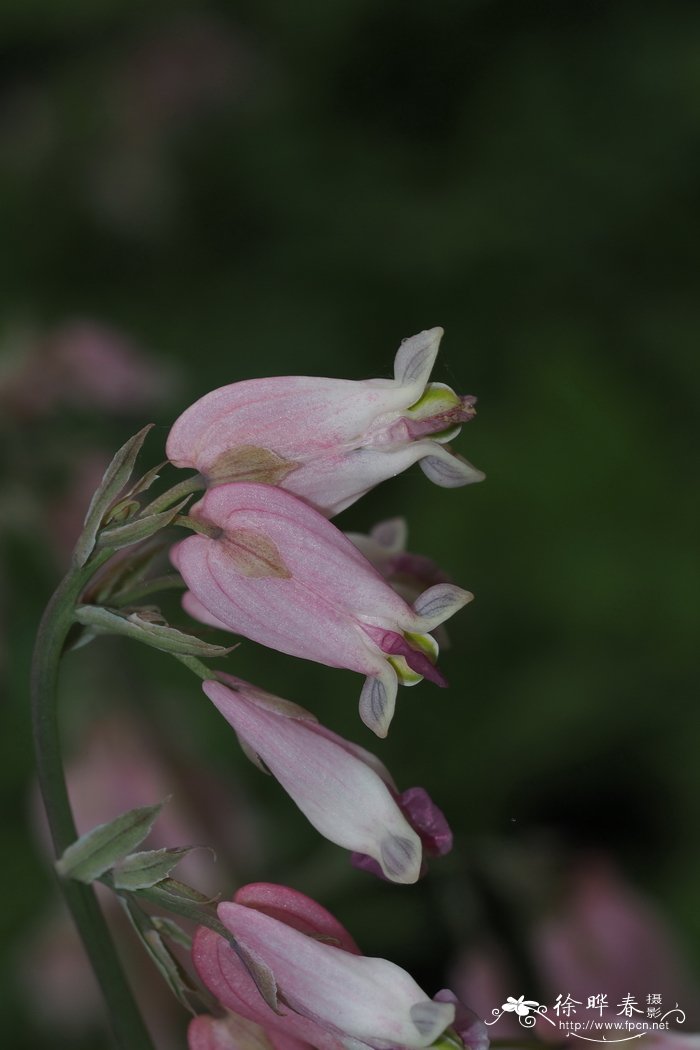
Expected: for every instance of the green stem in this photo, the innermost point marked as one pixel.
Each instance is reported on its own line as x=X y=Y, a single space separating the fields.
x=197 y=667
x=128 y=1028
x=175 y=494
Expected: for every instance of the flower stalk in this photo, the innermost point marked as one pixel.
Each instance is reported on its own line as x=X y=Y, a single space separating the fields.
x=127 y=1025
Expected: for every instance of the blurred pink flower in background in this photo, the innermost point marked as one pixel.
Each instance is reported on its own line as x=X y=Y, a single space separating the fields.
x=80 y=365
x=606 y=933
x=158 y=89
x=601 y=936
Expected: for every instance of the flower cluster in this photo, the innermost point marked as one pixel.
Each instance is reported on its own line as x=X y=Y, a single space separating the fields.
x=279 y=458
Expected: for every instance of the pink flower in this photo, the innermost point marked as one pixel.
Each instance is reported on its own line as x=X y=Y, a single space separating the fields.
x=232 y=1032
x=327 y=994
x=278 y=572
x=344 y=791
x=329 y=440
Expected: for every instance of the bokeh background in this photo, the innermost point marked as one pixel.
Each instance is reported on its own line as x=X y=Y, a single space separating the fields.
x=194 y=193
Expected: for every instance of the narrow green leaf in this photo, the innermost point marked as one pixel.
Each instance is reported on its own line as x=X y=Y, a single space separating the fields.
x=185 y=901
x=167 y=639
x=173 y=930
x=170 y=969
x=182 y=892
x=137 y=529
x=99 y=849
x=144 y=483
x=115 y=478
x=138 y=871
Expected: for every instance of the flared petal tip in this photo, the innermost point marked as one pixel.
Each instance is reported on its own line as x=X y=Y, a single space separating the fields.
x=415 y=358
x=439 y=603
x=378 y=700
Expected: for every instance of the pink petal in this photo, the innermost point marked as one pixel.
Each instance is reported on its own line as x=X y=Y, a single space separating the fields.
x=367 y=999
x=296 y=910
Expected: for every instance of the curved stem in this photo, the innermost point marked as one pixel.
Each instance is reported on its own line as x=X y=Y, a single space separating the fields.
x=128 y=1027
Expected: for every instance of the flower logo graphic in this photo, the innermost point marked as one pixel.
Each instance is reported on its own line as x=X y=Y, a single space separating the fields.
x=521 y=1006
x=528 y=1011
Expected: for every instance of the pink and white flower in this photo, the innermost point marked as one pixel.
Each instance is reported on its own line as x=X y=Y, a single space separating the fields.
x=346 y=793
x=325 y=991
x=329 y=441
x=276 y=571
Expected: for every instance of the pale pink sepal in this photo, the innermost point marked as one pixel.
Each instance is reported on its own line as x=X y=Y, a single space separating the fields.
x=365 y=999
x=310 y=593
x=335 y=785
x=232 y=1032
x=328 y=440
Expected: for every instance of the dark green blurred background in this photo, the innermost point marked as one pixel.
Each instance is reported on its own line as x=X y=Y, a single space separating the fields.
x=267 y=188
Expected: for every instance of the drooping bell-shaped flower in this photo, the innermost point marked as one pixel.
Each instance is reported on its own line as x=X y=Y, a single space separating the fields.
x=323 y=987
x=345 y=792
x=276 y=571
x=329 y=440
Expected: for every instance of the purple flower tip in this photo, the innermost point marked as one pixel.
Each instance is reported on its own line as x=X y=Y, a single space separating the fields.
x=468 y=1026
x=428 y=820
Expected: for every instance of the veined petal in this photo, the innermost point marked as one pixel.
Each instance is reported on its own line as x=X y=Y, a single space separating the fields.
x=317 y=554
x=276 y=612
x=438 y=603
x=341 y=795
x=378 y=699
x=445 y=467
x=364 y=998
x=414 y=361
